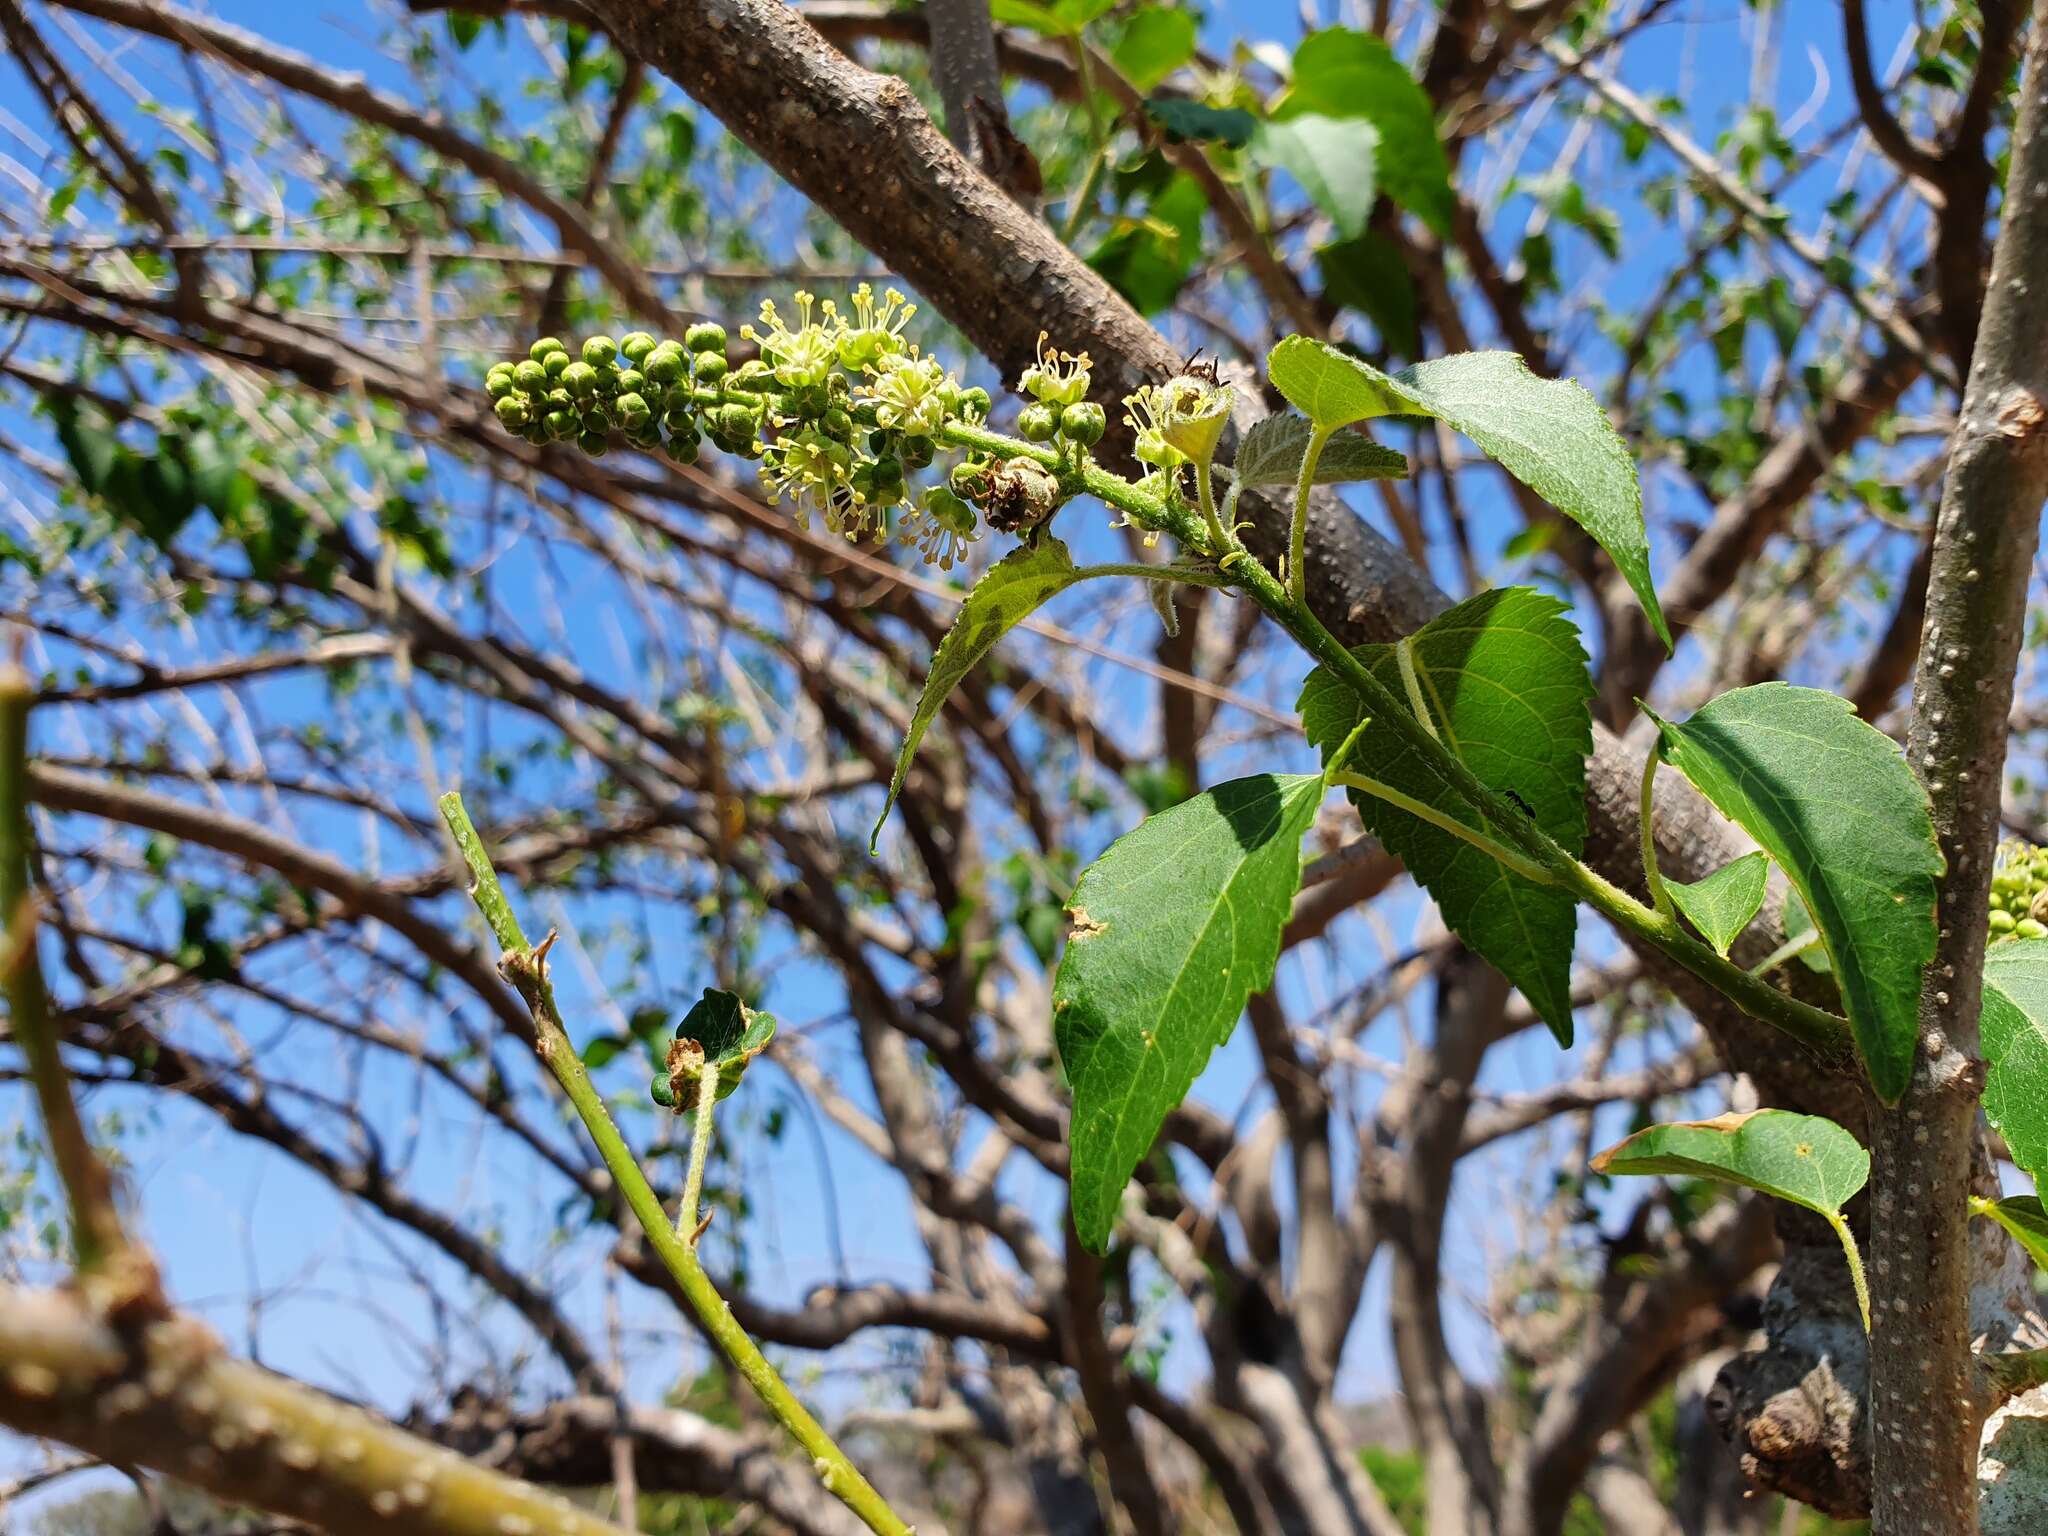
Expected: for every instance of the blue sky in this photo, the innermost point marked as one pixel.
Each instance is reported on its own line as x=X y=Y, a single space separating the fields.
x=232 y=1221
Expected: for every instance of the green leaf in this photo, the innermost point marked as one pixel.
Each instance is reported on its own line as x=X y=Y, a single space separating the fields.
x=1505 y=677
x=2024 y=1218
x=1369 y=274
x=1548 y=433
x=1157 y=40
x=1195 y=122
x=1342 y=73
x=729 y=1033
x=1802 y=1158
x=1798 y=923
x=1271 y=451
x=2015 y=1041
x=1723 y=904
x=601 y=1051
x=1010 y=592
x=1173 y=928
x=1832 y=801
x=1148 y=259
x=1332 y=158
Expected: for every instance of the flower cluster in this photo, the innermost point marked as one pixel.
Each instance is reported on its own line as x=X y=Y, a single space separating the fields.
x=2019 y=893
x=841 y=410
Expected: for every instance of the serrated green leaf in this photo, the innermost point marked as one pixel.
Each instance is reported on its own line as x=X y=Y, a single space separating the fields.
x=729 y=1032
x=1550 y=434
x=1342 y=73
x=1831 y=800
x=1173 y=928
x=1157 y=40
x=2024 y=1218
x=1010 y=591
x=1805 y=1159
x=1332 y=158
x=1505 y=676
x=1271 y=451
x=1725 y=902
x=2015 y=1041
x=1196 y=122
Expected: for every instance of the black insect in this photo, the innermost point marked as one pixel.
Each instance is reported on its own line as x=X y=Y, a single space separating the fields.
x=1199 y=367
x=1520 y=804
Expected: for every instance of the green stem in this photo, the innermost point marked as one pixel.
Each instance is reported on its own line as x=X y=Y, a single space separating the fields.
x=1205 y=492
x=1785 y=951
x=1084 y=200
x=1855 y=1257
x=1404 y=658
x=700 y=1152
x=1528 y=869
x=96 y=1230
x=1653 y=878
x=525 y=967
x=1297 y=533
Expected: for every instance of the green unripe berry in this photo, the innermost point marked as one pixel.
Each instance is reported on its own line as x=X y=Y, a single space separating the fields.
x=1038 y=423
x=498 y=385
x=664 y=366
x=711 y=367
x=1083 y=423
x=554 y=363
x=635 y=345
x=2028 y=928
x=2002 y=921
x=530 y=376
x=705 y=336
x=513 y=412
x=593 y=443
x=540 y=349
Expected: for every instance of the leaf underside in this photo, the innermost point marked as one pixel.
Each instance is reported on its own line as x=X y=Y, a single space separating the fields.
x=1173 y=928
x=2015 y=1042
x=1832 y=801
x=1805 y=1159
x=1505 y=677
x=1725 y=902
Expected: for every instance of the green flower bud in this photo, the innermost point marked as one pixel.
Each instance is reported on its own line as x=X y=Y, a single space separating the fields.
x=1038 y=423
x=513 y=412
x=498 y=385
x=682 y=447
x=664 y=366
x=535 y=432
x=540 y=349
x=530 y=376
x=738 y=422
x=888 y=474
x=975 y=401
x=632 y=409
x=580 y=379
x=561 y=424
x=600 y=350
x=631 y=381
x=593 y=443
x=753 y=374
x=705 y=336
x=711 y=367
x=949 y=510
x=2002 y=922
x=554 y=363
x=837 y=425
x=662 y=1091
x=2028 y=928
x=634 y=346
x=917 y=452
x=1084 y=423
